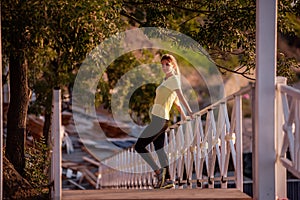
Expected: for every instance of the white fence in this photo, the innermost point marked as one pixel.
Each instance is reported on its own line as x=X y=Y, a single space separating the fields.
x=288 y=106
x=200 y=151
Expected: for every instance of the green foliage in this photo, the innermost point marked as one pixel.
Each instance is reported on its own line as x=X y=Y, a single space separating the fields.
x=141 y=102
x=296 y=23
x=123 y=75
x=58 y=36
x=75 y=28
x=37 y=164
x=285 y=68
x=226 y=29
x=111 y=76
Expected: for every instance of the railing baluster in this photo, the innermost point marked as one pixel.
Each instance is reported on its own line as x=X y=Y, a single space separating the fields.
x=188 y=151
x=180 y=151
x=286 y=110
x=197 y=149
x=239 y=150
x=211 y=148
x=203 y=150
x=189 y=145
x=223 y=110
x=219 y=129
x=172 y=154
x=231 y=134
x=227 y=150
x=290 y=130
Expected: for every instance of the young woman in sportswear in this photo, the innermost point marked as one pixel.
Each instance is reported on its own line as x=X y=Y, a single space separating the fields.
x=167 y=93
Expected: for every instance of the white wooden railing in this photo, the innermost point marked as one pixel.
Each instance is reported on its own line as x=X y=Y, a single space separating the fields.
x=288 y=145
x=198 y=146
x=207 y=141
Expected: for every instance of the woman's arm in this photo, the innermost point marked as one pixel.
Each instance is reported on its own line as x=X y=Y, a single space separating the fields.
x=183 y=101
x=179 y=108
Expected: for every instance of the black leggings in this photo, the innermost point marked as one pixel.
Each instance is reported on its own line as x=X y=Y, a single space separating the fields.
x=154 y=132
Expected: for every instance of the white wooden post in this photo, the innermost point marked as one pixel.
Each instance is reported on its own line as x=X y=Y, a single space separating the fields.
x=280 y=170
x=1 y=117
x=239 y=141
x=56 y=140
x=264 y=162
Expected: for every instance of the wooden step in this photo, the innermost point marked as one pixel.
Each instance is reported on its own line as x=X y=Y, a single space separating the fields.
x=171 y=194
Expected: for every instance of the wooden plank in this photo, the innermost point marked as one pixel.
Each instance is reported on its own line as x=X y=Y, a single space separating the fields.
x=172 y=194
x=91 y=161
x=69 y=164
x=76 y=184
x=91 y=179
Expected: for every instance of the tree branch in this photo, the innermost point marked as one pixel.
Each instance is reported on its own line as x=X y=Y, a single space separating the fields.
x=230 y=70
x=125 y=14
x=236 y=72
x=169 y=4
x=189 y=19
x=199 y=11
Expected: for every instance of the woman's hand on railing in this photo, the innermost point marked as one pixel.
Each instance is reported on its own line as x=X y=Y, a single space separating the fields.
x=190 y=116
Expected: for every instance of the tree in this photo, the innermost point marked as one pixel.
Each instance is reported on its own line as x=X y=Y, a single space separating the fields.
x=14 y=46
x=226 y=29
x=50 y=39
x=70 y=30
x=142 y=98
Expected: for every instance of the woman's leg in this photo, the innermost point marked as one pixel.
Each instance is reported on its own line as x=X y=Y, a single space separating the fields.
x=159 y=143
x=152 y=131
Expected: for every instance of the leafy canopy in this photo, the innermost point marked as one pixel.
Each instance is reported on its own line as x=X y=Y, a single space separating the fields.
x=58 y=34
x=226 y=29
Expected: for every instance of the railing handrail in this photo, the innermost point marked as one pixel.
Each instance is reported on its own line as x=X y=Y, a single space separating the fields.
x=222 y=130
x=225 y=99
x=291 y=91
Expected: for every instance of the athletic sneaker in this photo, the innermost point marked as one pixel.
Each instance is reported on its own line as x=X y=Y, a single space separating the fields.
x=167 y=184
x=160 y=177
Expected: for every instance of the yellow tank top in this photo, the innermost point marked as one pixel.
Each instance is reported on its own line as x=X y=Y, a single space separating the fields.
x=165 y=97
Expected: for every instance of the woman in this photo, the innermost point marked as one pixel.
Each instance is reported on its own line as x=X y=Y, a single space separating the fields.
x=167 y=93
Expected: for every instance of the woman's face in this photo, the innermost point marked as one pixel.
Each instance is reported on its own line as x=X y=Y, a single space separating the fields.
x=167 y=66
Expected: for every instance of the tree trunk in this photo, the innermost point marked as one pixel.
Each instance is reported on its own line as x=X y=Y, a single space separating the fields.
x=47 y=126
x=17 y=112
x=15 y=186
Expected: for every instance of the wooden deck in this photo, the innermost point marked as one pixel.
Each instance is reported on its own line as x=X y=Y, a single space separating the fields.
x=172 y=194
